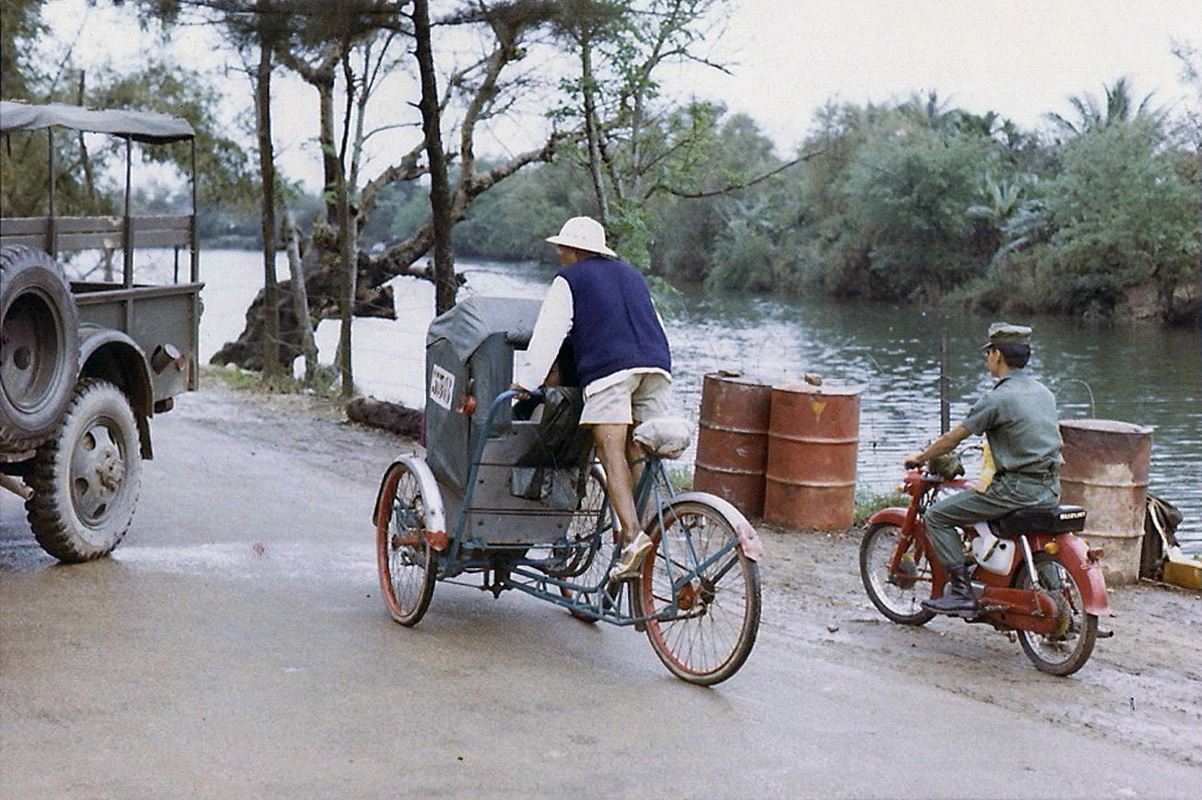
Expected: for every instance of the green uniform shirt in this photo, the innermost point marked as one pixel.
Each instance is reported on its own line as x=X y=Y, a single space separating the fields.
x=1018 y=417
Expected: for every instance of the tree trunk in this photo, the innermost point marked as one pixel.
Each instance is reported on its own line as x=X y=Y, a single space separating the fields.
x=271 y=328
x=591 y=133
x=300 y=296
x=445 y=285
x=323 y=277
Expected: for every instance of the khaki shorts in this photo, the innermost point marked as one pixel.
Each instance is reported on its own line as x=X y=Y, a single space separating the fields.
x=637 y=398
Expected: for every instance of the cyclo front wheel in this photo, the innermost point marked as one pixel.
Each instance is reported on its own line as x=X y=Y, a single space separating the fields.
x=403 y=555
x=701 y=592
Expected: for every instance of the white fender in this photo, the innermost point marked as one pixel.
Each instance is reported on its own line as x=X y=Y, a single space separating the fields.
x=749 y=540
x=436 y=517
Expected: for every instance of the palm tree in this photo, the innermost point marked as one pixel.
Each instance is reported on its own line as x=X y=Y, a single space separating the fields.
x=1119 y=107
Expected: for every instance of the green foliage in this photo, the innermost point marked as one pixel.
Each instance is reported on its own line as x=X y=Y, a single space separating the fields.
x=1124 y=215
x=20 y=25
x=868 y=503
x=324 y=382
x=911 y=199
x=511 y=220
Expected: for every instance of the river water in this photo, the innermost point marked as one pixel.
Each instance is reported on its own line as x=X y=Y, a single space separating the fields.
x=1131 y=373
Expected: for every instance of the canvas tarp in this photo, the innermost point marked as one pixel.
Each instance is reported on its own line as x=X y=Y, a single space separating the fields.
x=472 y=320
x=141 y=126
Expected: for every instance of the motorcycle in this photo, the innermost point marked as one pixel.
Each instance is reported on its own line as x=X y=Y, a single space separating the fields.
x=1033 y=577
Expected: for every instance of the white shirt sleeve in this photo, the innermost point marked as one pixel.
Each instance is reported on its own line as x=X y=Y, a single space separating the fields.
x=552 y=327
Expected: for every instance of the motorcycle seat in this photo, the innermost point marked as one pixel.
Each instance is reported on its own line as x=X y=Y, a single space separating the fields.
x=1048 y=519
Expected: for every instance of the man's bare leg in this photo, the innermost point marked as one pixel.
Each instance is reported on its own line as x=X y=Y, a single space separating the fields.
x=611 y=441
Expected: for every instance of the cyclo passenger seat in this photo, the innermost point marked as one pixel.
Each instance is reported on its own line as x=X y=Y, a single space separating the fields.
x=1048 y=519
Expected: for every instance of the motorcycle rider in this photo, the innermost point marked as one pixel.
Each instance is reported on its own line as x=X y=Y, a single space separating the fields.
x=1018 y=418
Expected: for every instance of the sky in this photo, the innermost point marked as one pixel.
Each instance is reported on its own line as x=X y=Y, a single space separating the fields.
x=1021 y=58
x=787 y=58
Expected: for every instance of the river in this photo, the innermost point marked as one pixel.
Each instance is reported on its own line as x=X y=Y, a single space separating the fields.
x=1133 y=373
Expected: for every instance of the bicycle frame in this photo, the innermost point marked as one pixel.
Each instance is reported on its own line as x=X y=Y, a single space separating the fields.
x=512 y=569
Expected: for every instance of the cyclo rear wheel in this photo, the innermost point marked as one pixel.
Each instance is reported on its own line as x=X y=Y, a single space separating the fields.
x=702 y=628
x=594 y=518
x=403 y=555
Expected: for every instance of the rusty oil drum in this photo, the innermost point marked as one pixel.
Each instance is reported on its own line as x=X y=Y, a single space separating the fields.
x=732 y=441
x=1105 y=470
x=813 y=439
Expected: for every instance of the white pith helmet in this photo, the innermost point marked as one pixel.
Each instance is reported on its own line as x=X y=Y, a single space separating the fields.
x=583 y=233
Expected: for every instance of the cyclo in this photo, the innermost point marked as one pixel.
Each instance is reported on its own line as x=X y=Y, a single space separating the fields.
x=498 y=497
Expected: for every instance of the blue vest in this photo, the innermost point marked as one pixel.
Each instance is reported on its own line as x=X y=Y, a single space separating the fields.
x=614 y=326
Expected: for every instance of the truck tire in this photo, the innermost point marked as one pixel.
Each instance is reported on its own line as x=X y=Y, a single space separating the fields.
x=87 y=478
x=39 y=346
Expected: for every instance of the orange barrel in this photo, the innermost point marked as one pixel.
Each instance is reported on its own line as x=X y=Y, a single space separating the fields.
x=813 y=436
x=1106 y=470
x=732 y=441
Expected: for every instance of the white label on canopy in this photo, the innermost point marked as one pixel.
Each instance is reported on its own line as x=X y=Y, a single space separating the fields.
x=442 y=387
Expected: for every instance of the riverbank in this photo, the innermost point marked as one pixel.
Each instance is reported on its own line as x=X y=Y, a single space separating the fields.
x=1140 y=688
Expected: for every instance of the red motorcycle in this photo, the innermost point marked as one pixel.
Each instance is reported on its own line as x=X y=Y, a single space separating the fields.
x=1032 y=576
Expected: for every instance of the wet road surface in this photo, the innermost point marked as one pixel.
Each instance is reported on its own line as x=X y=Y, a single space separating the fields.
x=235 y=646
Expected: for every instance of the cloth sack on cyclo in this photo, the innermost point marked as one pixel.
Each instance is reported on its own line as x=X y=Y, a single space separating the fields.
x=561 y=455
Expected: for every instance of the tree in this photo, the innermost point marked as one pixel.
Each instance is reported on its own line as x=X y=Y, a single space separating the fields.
x=440 y=193
x=20 y=25
x=1124 y=216
x=620 y=46
x=1120 y=106
x=478 y=92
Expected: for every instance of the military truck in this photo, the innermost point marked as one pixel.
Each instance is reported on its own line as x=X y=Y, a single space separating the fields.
x=85 y=364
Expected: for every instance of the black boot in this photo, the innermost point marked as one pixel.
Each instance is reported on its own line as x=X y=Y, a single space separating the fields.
x=958 y=597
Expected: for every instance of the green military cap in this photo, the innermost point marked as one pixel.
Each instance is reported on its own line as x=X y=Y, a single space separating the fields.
x=1005 y=333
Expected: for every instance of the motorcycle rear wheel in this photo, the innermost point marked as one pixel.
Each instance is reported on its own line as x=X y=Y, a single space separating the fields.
x=1066 y=649
x=897 y=595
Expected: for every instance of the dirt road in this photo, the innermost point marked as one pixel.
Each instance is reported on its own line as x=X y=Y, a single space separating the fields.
x=236 y=646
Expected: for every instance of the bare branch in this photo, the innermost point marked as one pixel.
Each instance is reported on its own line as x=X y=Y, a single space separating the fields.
x=734 y=187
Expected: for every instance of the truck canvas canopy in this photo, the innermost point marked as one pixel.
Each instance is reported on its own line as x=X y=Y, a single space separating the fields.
x=141 y=126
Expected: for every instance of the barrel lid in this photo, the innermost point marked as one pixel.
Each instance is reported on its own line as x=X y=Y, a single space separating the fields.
x=735 y=376
x=805 y=388
x=1106 y=426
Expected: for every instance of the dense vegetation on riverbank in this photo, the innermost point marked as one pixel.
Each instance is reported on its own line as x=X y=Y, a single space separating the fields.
x=914 y=202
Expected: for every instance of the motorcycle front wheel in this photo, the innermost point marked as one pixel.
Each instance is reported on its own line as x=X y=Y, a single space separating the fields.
x=896 y=591
x=1066 y=649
